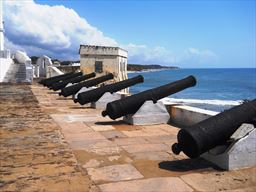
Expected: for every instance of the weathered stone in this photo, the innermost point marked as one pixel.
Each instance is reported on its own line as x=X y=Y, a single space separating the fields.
x=92 y=163
x=114 y=173
x=74 y=127
x=145 y=132
x=130 y=141
x=221 y=181
x=156 y=155
x=145 y=148
x=160 y=184
x=75 y=118
x=84 y=136
x=114 y=158
x=162 y=139
x=34 y=155
x=112 y=134
x=102 y=127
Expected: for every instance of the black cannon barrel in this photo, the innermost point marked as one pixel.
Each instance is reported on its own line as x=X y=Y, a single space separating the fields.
x=214 y=131
x=62 y=84
x=50 y=83
x=73 y=89
x=43 y=81
x=131 y=104
x=95 y=94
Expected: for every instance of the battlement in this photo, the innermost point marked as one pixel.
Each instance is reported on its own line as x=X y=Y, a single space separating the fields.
x=102 y=51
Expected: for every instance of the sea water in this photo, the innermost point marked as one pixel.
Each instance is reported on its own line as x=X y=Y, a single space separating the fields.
x=216 y=89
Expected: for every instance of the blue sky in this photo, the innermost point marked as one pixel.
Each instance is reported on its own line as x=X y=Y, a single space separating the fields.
x=180 y=33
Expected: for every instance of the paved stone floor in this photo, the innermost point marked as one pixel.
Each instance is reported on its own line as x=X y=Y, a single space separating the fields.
x=57 y=145
x=34 y=155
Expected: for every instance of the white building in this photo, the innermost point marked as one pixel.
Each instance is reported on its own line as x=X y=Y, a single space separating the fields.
x=5 y=60
x=103 y=60
x=21 y=71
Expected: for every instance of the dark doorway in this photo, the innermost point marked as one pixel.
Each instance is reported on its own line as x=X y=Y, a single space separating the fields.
x=98 y=67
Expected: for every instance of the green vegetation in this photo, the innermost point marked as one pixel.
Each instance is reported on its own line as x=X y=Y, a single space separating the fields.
x=139 y=67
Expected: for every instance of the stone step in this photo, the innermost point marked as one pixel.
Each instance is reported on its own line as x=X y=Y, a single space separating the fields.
x=16 y=73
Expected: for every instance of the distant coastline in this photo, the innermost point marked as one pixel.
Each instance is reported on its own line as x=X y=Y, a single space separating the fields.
x=144 y=68
x=131 y=68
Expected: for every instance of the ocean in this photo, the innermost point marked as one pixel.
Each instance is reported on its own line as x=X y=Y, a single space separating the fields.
x=216 y=89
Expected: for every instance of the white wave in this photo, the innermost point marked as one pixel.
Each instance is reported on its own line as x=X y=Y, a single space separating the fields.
x=201 y=101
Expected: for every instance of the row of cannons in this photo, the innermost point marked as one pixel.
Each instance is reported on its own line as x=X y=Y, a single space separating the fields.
x=227 y=139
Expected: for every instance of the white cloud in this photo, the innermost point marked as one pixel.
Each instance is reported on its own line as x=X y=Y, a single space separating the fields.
x=144 y=54
x=200 y=55
x=55 y=29
x=58 y=31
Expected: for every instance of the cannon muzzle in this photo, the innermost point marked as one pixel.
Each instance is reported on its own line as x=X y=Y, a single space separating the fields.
x=73 y=89
x=131 y=104
x=50 y=83
x=62 y=84
x=44 y=81
x=95 y=94
x=207 y=134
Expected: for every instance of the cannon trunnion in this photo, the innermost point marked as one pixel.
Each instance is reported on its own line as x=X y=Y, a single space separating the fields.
x=73 y=89
x=95 y=94
x=62 y=84
x=207 y=134
x=131 y=104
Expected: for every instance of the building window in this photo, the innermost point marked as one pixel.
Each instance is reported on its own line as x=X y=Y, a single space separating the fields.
x=98 y=67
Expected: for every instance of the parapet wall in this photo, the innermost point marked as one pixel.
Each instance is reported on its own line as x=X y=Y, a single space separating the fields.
x=4 y=67
x=185 y=115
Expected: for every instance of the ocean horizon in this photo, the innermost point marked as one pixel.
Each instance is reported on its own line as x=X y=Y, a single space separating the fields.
x=217 y=89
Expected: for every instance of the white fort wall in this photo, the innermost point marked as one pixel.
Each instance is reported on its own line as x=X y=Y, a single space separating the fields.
x=4 y=67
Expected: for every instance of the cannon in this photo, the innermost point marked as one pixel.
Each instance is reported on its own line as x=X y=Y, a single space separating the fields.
x=50 y=83
x=131 y=104
x=44 y=81
x=62 y=84
x=73 y=89
x=207 y=134
x=95 y=94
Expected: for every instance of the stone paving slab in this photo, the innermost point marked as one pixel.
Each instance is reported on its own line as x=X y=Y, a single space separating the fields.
x=114 y=173
x=102 y=128
x=162 y=139
x=74 y=127
x=84 y=136
x=92 y=163
x=145 y=132
x=145 y=148
x=247 y=189
x=156 y=155
x=130 y=141
x=105 y=150
x=166 y=127
x=76 y=117
x=228 y=180
x=101 y=147
x=161 y=184
x=112 y=134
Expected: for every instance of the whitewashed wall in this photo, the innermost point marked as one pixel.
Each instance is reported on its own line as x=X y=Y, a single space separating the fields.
x=4 y=66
